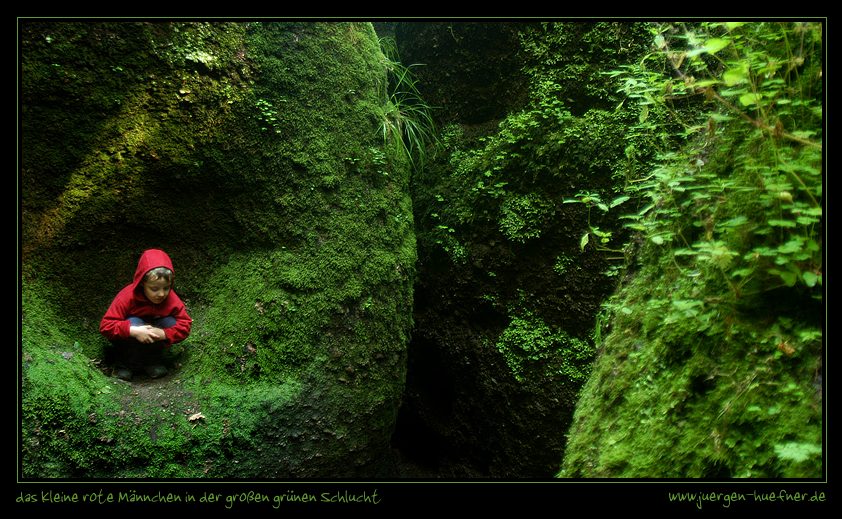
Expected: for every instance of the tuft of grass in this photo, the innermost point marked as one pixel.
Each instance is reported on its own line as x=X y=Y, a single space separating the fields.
x=407 y=119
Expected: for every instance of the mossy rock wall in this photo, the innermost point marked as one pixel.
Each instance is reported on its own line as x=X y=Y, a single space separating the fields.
x=699 y=393
x=507 y=297
x=251 y=153
x=714 y=366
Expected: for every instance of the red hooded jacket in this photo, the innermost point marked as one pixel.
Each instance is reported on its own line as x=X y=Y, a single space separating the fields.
x=131 y=302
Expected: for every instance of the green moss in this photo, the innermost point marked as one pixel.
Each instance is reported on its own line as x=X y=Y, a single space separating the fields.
x=225 y=144
x=65 y=396
x=523 y=216
x=713 y=367
x=698 y=391
x=528 y=341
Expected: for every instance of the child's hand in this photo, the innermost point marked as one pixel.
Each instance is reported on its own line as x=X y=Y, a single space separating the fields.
x=158 y=334
x=147 y=334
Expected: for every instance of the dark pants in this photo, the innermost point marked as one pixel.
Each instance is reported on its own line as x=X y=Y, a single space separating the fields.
x=135 y=355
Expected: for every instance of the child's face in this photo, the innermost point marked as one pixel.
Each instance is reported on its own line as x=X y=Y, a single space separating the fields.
x=157 y=290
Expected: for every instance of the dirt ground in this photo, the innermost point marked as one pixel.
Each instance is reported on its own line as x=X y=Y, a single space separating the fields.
x=148 y=395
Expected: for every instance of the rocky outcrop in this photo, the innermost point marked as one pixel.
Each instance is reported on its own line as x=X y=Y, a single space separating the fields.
x=253 y=154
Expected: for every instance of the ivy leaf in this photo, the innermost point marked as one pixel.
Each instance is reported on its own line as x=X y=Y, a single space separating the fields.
x=797 y=452
x=789 y=278
x=736 y=75
x=781 y=223
x=792 y=246
x=584 y=241
x=810 y=278
x=714 y=45
x=749 y=99
x=617 y=201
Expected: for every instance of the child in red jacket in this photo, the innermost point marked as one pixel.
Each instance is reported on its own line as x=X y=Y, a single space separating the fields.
x=146 y=317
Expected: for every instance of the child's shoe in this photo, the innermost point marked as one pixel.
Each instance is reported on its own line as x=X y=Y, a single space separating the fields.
x=156 y=371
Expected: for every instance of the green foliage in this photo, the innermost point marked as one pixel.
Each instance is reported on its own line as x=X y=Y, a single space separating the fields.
x=713 y=366
x=562 y=264
x=268 y=115
x=601 y=238
x=496 y=239
x=522 y=216
x=744 y=198
x=512 y=177
x=574 y=54
x=407 y=119
x=528 y=342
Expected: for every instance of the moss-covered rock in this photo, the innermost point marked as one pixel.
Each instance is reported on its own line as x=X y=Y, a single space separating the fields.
x=686 y=388
x=252 y=153
x=713 y=367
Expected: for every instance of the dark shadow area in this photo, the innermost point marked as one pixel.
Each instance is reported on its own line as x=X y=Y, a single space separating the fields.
x=430 y=394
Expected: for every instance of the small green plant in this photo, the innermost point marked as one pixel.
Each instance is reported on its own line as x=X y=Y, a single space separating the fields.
x=523 y=216
x=445 y=236
x=268 y=116
x=598 y=238
x=378 y=159
x=743 y=197
x=529 y=342
x=407 y=119
x=562 y=264
x=797 y=452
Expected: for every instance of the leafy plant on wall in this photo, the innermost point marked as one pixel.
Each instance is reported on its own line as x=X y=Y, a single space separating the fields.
x=745 y=197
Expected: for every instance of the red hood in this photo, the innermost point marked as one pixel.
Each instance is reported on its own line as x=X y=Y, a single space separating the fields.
x=130 y=301
x=150 y=259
